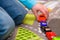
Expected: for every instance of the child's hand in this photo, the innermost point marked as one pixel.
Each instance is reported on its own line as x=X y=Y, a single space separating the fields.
x=41 y=8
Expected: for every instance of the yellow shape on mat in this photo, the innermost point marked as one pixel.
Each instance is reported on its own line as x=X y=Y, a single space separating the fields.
x=29 y=19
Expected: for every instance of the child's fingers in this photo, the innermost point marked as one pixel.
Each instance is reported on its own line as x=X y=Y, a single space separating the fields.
x=35 y=13
x=46 y=9
x=47 y=12
x=44 y=12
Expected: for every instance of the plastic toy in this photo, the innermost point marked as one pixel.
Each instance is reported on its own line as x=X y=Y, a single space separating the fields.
x=47 y=29
x=29 y=19
x=25 y=34
x=50 y=35
x=41 y=18
x=43 y=23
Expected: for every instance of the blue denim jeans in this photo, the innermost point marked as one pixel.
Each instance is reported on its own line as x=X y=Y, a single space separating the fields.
x=11 y=14
x=6 y=24
x=14 y=9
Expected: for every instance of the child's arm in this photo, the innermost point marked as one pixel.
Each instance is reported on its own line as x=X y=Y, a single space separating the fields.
x=28 y=3
x=32 y=4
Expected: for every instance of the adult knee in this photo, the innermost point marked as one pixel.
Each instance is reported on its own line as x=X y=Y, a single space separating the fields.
x=6 y=24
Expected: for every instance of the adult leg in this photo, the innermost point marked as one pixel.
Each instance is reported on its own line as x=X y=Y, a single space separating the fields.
x=6 y=24
x=14 y=9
